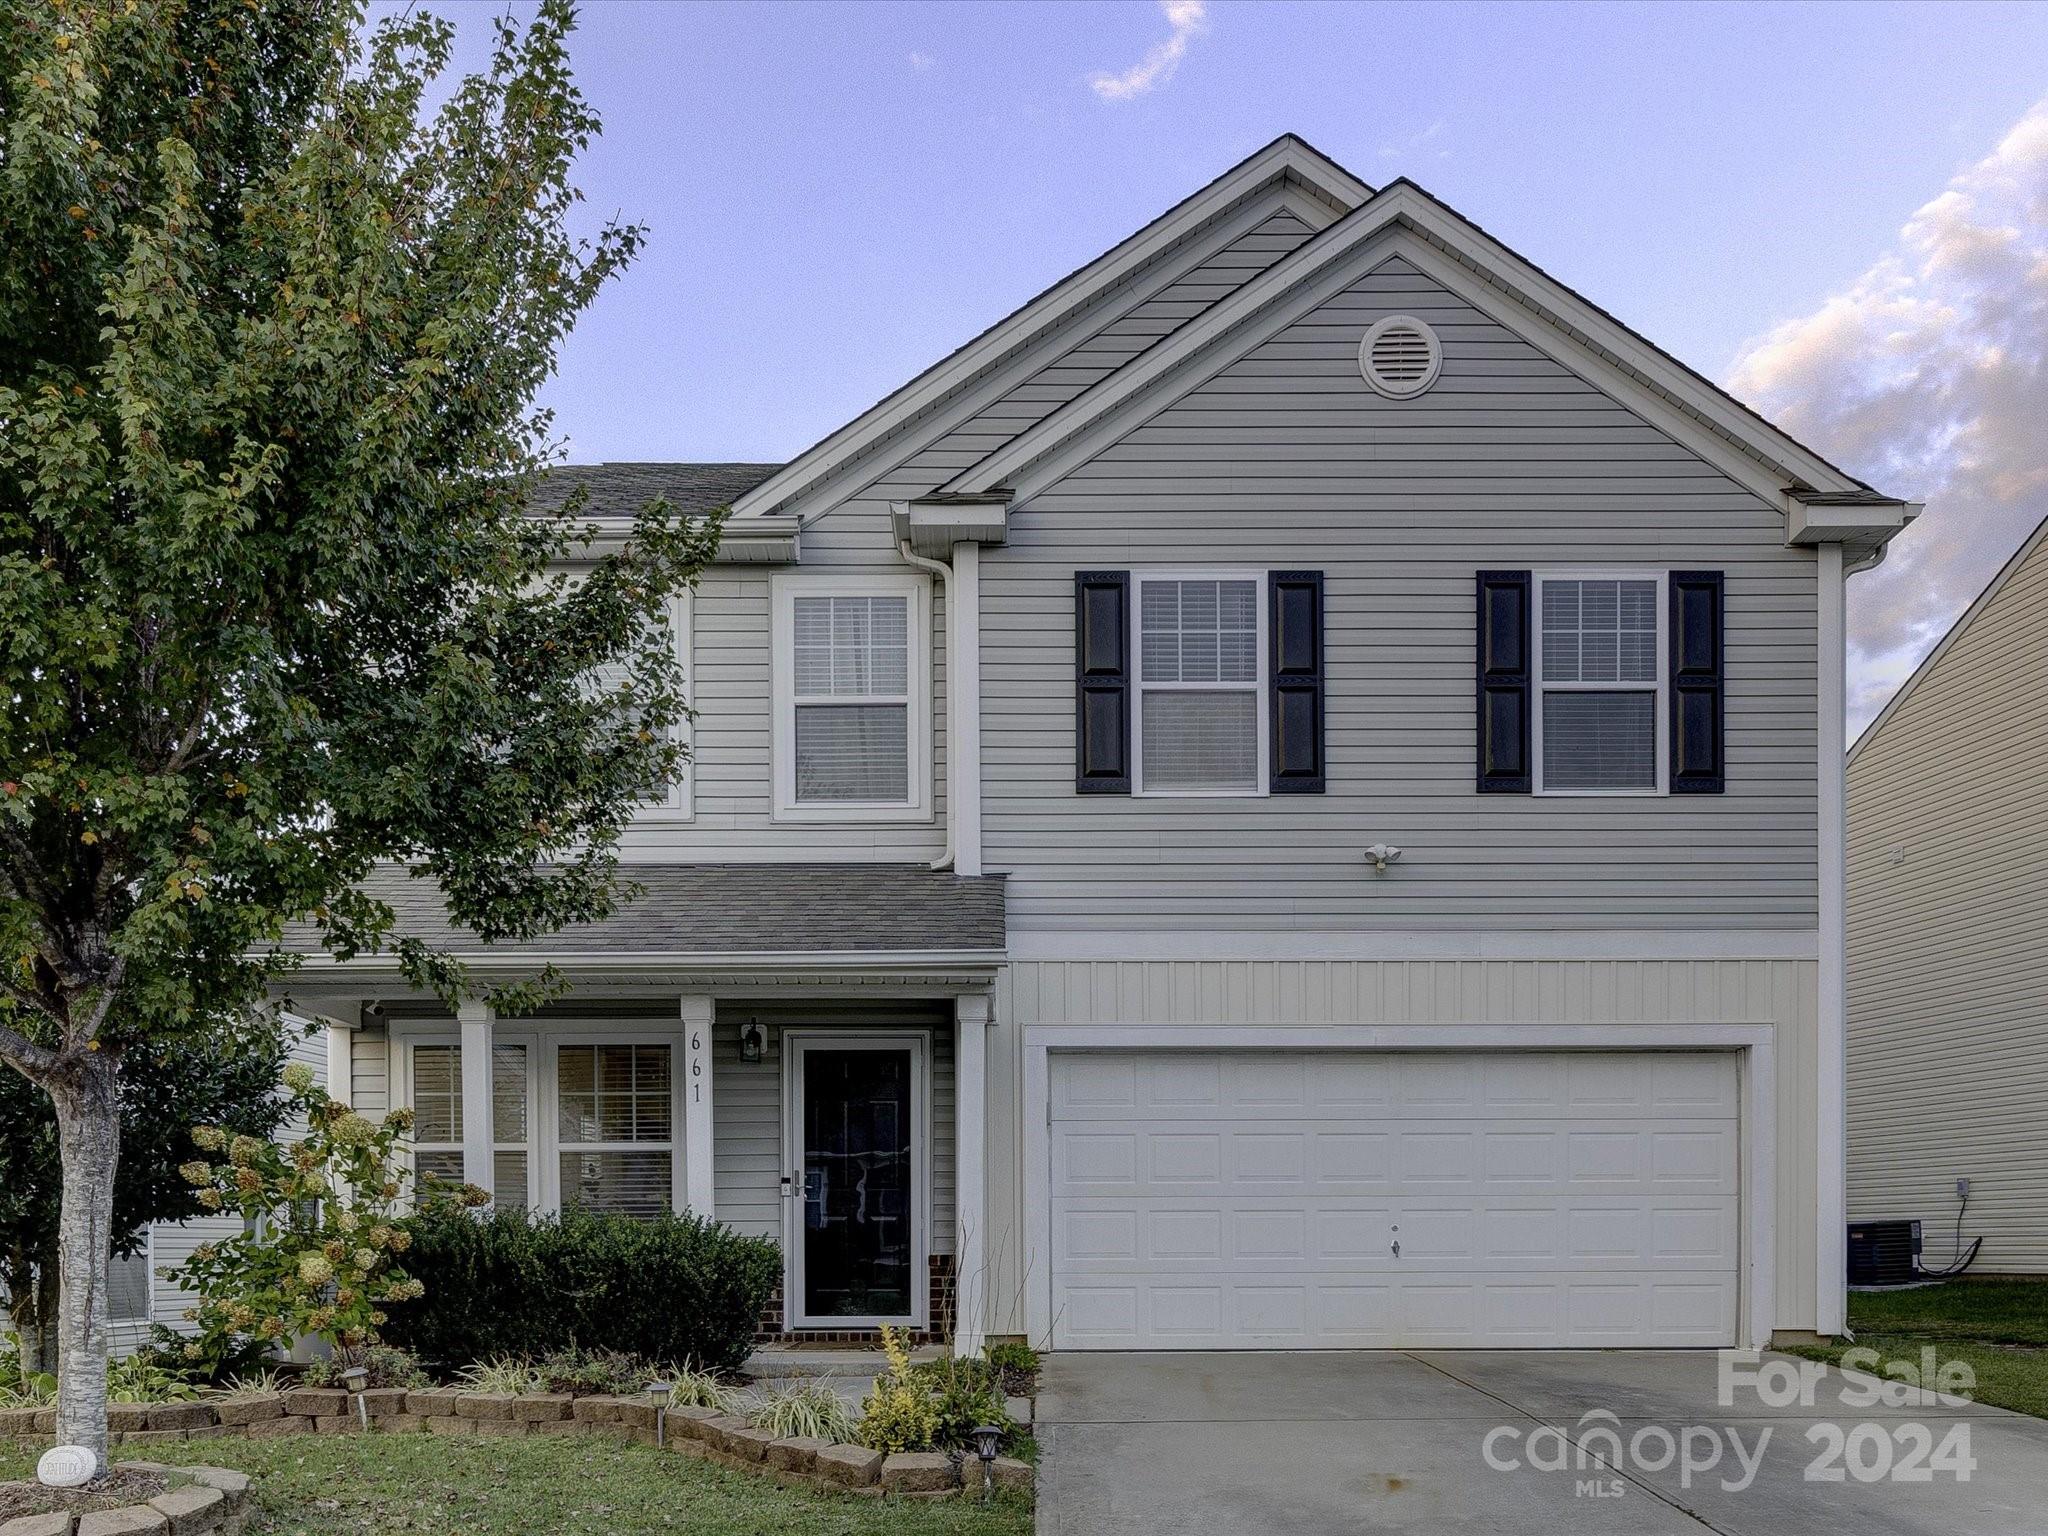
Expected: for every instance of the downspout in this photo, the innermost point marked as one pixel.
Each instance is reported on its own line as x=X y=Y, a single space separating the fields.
x=1830 y=1124
x=940 y=571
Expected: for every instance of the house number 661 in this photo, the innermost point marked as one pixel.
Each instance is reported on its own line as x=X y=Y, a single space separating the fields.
x=696 y=1068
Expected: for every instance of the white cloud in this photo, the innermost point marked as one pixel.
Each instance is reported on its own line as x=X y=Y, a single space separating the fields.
x=1418 y=146
x=922 y=61
x=1184 y=18
x=1928 y=376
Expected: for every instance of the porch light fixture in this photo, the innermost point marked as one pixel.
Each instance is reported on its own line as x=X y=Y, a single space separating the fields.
x=986 y=1438
x=353 y=1381
x=659 y=1391
x=1383 y=854
x=753 y=1043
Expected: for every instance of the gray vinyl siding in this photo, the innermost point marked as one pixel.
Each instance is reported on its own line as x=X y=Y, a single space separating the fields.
x=1285 y=459
x=370 y=1062
x=747 y=1136
x=1948 y=974
x=172 y=1243
x=731 y=639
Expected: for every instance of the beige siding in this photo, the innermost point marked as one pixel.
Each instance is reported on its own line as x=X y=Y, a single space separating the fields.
x=1948 y=941
x=1780 y=993
x=1285 y=459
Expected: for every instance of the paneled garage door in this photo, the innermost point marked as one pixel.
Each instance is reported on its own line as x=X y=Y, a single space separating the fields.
x=1347 y=1200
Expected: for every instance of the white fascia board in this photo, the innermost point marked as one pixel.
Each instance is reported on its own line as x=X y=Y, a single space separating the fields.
x=1749 y=448
x=932 y=528
x=485 y=962
x=1842 y=522
x=773 y=540
x=1327 y=187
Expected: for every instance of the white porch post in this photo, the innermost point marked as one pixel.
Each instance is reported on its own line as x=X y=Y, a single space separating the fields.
x=699 y=1181
x=963 y=671
x=478 y=1142
x=341 y=1070
x=971 y=1015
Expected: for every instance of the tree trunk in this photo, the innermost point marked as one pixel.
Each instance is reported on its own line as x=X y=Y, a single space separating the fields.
x=49 y=1298
x=89 y=1146
x=32 y=1293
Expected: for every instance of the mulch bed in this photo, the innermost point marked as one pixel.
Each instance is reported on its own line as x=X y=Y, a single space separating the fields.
x=119 y=1487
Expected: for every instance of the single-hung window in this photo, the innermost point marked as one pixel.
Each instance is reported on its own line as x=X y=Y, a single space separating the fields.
x=1600 y=707
x=850 y=698
x=1201 y=715
x=437 y=1118
x=616 y=1128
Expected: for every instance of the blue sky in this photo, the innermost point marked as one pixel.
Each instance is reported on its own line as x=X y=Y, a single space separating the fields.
x=838 y=194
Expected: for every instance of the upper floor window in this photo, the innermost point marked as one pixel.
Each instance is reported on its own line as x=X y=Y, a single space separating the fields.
x=1200 y=720
x=1600 y=696
x=850 y=688
x=673 y=801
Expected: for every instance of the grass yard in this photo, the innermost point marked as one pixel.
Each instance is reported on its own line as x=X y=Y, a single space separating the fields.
x=572 y=1485
x=2000 y=1327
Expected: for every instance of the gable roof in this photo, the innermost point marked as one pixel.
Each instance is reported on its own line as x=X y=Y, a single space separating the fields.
x=1288 y=159
x=2033 y=541
x=1636 y=369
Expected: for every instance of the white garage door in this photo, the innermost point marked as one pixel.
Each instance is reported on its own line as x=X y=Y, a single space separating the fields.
x=1216 y=1200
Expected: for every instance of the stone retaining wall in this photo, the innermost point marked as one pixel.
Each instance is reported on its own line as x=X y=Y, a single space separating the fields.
x=703 y=1432
x=200 y=1500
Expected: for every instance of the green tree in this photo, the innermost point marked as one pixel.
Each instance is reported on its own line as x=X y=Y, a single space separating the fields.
x=275 y=598
x=168 y=1088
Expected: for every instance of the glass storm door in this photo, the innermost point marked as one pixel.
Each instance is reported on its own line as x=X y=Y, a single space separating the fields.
x=858 y=1246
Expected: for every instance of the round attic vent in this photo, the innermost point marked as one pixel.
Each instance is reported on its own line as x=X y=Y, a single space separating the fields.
x=1400 y=357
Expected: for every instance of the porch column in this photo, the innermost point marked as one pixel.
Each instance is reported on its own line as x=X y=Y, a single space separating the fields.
x=971 y=1014
x=699 y=1176
x=478 y=1143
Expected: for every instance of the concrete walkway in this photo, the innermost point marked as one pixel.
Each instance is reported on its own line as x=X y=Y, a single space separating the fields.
x=1294 y=1444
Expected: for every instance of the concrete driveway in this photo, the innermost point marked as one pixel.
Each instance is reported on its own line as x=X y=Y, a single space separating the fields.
x=1281 y=1444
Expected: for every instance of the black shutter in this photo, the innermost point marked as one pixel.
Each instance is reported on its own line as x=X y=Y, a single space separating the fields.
x=1698 y=757
x=1102 y=686
x=1504 y=683
x=1294 y=600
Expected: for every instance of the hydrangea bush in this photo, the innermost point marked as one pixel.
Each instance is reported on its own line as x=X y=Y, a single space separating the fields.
x=322 y=1251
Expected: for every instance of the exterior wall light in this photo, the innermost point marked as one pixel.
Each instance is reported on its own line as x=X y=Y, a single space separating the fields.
x=753 y=1043
x=1383 y=854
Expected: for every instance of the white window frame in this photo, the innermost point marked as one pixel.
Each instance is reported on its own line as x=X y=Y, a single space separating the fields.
x=549 y=1180
x=1260 y=686
x=1660 y=725
x=784 y=590
x=405 y=1041
x=681 y=804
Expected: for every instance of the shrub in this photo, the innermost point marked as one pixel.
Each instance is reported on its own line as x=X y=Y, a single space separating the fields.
x=212 y=1356
x=674 y=1288
x=318 y=1253
x=806 y=1409
x=964 y=1393
x=387 y=1365
x=147 y=1377
x=595 y=1372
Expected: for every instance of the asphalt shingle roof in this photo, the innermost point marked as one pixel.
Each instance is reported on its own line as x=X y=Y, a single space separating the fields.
x=688 y=909
x=621 y=490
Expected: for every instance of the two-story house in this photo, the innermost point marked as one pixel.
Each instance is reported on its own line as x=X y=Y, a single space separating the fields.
x=1288 y=794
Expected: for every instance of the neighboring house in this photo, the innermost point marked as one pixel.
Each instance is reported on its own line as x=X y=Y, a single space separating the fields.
x=1016 y=941
x=1948 y=936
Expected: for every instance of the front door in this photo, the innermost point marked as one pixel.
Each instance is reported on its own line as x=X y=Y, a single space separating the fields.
x=857 y=1184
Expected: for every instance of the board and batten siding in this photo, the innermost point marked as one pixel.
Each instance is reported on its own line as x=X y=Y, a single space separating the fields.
x=731 y=640
x=1776 y=992
x=1286 y=459
x=1948 y=968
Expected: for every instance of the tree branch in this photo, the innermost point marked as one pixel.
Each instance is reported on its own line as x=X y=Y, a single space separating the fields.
x=32 y=1061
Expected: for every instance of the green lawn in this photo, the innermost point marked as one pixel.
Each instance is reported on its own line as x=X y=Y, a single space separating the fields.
x=574 y=1485
x=1999 y=1327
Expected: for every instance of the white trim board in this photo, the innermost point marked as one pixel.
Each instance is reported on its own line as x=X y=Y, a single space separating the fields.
x=1746 y=446
x=1050 y=944
x=1757 y=1086
x=1288 y=159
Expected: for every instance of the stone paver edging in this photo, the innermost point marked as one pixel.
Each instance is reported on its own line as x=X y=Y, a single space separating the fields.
x=702 y=1432
x=199 y=1500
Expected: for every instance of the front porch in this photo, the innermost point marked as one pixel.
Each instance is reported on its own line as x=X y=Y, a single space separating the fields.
x=832 y=1101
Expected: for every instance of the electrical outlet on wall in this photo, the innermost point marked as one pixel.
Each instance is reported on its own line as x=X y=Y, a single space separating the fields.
x=1962 y=1189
